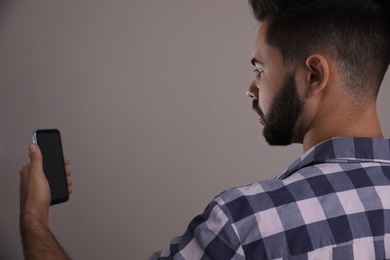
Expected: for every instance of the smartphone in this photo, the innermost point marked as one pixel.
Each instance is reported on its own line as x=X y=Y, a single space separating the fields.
x=49 y=142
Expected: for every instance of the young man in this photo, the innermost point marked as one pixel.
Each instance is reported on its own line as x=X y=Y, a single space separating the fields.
x=319 y=65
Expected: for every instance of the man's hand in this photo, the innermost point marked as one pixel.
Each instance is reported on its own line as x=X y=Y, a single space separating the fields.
x=34 y=188
x=38 y=241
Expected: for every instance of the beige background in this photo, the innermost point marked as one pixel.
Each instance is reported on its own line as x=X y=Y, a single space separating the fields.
x=150 y=99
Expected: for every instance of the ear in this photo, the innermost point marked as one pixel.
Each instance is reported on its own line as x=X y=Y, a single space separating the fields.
x=317 y=77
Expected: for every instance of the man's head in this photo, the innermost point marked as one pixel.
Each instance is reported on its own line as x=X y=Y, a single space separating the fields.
x=339 y=42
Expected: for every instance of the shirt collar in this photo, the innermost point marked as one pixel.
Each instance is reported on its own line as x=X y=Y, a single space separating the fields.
x=342 y=149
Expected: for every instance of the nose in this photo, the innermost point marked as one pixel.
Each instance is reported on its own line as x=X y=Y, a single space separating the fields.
x=253 y=91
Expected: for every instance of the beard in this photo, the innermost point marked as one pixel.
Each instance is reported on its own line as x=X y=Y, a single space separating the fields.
x=283 y=114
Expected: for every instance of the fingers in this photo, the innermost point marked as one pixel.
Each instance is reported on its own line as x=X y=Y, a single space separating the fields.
x=34 y=187
x=24 y=170
x=66 y=160
x=70 y=188
x=23 y=173
x=35 y=156
x=36 y=165
x=68 y=173
x=35 y=159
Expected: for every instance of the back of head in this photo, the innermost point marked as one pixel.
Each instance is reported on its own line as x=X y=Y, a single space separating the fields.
x=355 y=33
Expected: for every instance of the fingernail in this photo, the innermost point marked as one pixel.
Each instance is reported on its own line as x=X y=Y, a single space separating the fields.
x=32 y=148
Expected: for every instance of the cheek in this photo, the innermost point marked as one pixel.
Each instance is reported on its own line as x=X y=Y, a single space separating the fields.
x=264 y=104
x=267 y=94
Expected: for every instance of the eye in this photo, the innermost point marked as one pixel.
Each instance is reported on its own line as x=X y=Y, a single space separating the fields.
x=259 y=72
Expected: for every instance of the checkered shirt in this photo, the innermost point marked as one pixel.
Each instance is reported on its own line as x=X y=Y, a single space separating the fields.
x=332 y=203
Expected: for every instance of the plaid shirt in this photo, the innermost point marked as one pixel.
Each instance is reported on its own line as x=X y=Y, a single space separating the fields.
x=332 y=203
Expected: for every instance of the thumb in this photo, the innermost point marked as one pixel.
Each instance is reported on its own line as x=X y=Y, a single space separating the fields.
x=35 y=156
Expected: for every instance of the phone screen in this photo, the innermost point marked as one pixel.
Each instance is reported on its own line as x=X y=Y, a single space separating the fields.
x=49 y=142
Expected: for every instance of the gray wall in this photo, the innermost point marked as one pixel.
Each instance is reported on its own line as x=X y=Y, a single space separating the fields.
x=150 y=99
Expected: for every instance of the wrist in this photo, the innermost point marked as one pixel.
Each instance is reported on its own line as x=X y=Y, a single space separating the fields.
x=32 y=211
x=32 y=220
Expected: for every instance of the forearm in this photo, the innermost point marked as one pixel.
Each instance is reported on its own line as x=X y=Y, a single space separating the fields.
x=39 y=242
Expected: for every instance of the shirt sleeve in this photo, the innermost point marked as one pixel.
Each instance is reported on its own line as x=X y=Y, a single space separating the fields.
x=210 y=235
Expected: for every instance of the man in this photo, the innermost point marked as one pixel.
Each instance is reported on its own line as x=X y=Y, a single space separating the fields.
x=318 y=65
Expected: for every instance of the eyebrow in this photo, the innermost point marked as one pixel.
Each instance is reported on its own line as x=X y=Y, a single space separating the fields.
x=255 y=61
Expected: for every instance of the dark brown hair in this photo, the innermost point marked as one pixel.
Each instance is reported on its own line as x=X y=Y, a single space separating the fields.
x=355 y=33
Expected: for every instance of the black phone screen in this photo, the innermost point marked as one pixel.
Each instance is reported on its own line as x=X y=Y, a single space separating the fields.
x=49 y=142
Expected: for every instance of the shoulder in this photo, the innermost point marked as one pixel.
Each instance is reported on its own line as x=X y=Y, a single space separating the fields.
x=241 y=202
x=264 y=195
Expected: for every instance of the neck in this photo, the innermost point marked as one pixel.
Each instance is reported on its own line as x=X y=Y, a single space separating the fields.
x=365 y=124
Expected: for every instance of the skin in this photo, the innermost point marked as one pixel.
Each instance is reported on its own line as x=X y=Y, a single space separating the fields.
x=38 y=240
x=329 y=110
x=285 y=109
